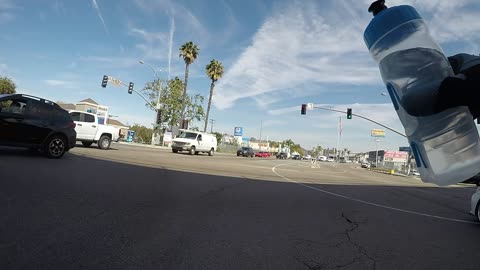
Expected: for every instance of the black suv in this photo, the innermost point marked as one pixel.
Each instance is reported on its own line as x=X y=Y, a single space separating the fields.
x=35 y=123
x=282 y=155
x=246 y=152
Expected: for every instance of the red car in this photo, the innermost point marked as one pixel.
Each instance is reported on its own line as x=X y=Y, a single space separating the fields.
x=262 y=154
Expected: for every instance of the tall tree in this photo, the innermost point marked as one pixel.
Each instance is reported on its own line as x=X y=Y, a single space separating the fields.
x=142 y=133
x=172 y=101
x=189 y=52
x=7 y=86
x=214 y=71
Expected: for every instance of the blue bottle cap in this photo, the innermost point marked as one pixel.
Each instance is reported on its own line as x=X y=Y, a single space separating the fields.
x=387 y=20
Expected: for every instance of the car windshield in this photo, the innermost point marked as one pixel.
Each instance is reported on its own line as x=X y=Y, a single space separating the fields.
x=188 y=135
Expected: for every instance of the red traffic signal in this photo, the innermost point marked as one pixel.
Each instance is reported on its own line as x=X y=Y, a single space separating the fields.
x=304 y=109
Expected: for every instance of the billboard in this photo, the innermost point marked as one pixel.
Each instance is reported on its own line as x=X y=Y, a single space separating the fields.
x=395 y=156
x=378 y=133
x=238 y=131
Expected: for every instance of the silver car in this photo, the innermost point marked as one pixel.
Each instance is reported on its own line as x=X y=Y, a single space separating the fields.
x=475 y=205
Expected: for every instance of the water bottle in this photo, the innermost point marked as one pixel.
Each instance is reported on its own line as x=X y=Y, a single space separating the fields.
x=446 y=144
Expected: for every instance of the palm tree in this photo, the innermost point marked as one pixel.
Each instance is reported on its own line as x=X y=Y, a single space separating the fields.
x=189 y=52
x=214 y=71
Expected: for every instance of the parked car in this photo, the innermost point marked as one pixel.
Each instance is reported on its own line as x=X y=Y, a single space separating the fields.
x=89 y=130
x=365 y=165
x=195 y=142
x=282 y=156
x=262 y=154
x=322 y=158
x=296 y=157
x=35 y=123
x=475 y=204
x=307 y=157
x=331 y=160
x=245 y=152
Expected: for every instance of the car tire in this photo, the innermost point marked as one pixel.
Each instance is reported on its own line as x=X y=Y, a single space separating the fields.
x=55 y=146
x=174 y=151
x=210 y=153
x=192 y=151
x=87 y=144
x=104 y=142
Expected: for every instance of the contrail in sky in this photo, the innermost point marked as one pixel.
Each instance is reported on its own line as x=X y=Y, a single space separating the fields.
x=95 y=5
x=170 y=44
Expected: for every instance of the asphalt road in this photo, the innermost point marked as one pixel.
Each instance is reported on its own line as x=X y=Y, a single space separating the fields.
x=142 y=208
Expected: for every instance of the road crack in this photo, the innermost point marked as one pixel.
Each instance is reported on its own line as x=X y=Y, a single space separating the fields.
x=361 y=250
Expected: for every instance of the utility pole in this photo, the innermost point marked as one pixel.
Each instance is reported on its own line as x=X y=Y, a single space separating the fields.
x=211 y=125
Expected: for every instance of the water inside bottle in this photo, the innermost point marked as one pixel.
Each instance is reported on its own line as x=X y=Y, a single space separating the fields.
x=416 y=75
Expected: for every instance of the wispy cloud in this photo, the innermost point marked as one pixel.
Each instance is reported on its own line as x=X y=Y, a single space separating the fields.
x=170 y=44
x=151 y=44
x=307 y=42
x=99 y=13
x=60 y=83
x=6 y=11
x=298 y=44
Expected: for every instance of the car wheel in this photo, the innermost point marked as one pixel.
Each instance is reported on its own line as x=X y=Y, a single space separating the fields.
x=55 y=147
x=87 y=144
x=174 y=151
x=238 y=155
x=104 y=142
x=192 y=151
x=210 y=153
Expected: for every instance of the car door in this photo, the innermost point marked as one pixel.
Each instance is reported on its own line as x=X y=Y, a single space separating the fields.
x=90 y=126
x=86 y=127
x=12 y=120
x=39 y=122
x=201 y=143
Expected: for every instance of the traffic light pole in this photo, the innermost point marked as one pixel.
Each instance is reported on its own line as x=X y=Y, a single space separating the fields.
x=144 y=98
x=363 y=117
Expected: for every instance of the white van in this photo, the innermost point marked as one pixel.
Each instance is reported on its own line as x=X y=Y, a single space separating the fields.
x=195 y=142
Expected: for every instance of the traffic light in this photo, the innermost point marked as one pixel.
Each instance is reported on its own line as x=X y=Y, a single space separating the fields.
x=304 y=109
x=130 y=88
x=104 y=81
x=349 y=113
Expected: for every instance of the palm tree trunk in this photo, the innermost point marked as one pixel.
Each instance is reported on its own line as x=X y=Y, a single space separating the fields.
x=182 y=116
x=212 y=85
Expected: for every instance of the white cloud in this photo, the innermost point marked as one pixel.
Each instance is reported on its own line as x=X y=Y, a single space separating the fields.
x=6 y=11
x=60 y=83
x=151 y=44
x=170 y=44
x=99 y=13
x=297 y=45
x=307 y=43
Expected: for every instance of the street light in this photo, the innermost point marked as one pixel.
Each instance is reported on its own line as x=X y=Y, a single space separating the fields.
x=158 y=97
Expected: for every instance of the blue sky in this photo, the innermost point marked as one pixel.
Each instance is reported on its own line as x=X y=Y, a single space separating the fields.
x=277 y=55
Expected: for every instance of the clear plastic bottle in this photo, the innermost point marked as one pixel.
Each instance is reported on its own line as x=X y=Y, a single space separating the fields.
x=446 y=144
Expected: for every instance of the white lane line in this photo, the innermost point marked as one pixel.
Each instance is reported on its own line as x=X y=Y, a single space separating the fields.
x=371 y=203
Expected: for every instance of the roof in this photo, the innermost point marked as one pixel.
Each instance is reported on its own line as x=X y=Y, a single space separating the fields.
x=89 y=100
x=67 y=106
x=115 y=123
x=30 y=97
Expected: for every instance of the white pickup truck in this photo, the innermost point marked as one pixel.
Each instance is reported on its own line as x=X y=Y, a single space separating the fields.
x=90 y=131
